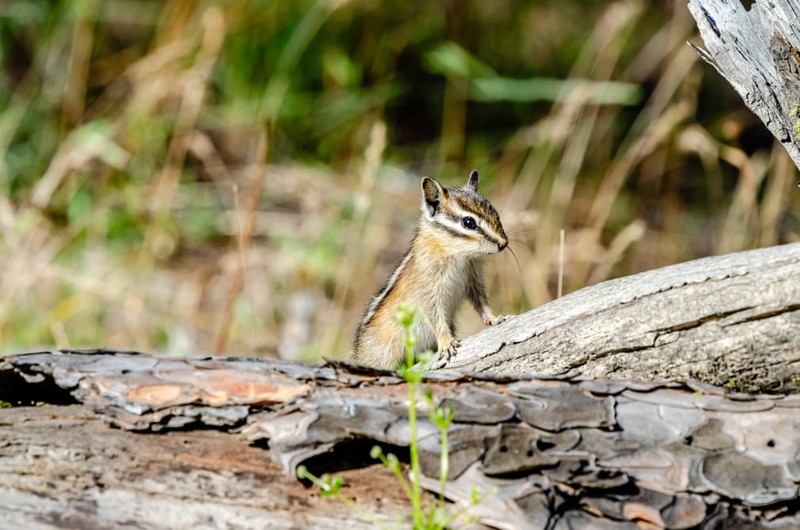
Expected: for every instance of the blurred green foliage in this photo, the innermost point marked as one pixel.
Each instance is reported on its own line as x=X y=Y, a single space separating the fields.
x=127 y=128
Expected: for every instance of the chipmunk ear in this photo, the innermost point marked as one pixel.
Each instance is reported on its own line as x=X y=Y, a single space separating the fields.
x=432 y=194
x=472 y=183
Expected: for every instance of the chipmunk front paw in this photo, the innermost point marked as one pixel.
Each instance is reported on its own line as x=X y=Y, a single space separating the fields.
x=491 y=320
x=445 y=354
x=451 y=350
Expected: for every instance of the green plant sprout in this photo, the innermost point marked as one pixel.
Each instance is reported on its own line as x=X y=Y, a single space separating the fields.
x=413 y=372
x=442 y=417
x=330 y=486
x=414 y=375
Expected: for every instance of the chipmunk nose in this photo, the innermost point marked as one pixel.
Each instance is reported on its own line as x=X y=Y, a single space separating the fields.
x=501 y=246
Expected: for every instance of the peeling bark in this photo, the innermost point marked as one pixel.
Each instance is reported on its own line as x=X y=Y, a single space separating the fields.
x=545 y=453
x=62 y=467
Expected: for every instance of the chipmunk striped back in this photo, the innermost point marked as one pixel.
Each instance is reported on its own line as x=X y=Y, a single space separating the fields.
x=457 y=228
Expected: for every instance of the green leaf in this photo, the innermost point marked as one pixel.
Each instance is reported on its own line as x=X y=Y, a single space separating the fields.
x=476 y=496
x=339 y=67
x=442 y=417
x=80 y=204
x=451 y=60
x=496 y=89
x=97 y=138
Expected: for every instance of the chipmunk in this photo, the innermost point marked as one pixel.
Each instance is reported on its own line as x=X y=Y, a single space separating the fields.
x=457 y=228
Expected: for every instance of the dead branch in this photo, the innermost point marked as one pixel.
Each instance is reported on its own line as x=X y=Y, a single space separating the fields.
x=756 y=51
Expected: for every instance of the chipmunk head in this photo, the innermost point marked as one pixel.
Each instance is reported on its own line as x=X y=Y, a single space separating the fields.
x=464 y=216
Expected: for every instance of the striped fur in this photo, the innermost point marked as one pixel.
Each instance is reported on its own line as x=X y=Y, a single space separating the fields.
x=440 y=269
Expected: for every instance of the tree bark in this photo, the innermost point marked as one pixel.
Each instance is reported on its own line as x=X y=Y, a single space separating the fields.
x=62 y=466
x=543 y=453
x=756 y=51
x=728 y=320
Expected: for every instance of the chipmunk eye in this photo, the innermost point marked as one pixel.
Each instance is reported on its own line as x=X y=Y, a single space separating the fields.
x=468 y=223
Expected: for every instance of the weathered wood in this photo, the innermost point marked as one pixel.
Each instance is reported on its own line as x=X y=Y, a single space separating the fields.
x=728 y=320
x=756 y=51
x=62 y=467
x=545 y=453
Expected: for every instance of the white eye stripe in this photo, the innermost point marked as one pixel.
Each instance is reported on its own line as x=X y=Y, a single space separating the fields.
x=460 y=212
x=483 y=228
x=449 y=217
x=454 y=226
x=487 y=229
x=443 y=219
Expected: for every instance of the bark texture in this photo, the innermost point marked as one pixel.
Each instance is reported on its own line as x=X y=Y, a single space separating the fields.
x=756 y=51
x=63 y=467
x=544 y=453
x=729 y=320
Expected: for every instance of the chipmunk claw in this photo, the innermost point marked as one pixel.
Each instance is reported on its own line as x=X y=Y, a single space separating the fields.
x=443 y=356
x=491 y=320
x=451 y=350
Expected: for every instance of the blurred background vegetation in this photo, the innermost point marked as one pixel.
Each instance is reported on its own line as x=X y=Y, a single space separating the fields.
x=239 y=177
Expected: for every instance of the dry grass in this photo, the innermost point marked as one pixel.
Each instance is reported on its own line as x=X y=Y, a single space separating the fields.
x=148 y=214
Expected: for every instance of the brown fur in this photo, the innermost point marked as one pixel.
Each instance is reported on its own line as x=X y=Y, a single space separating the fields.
x=440 y=269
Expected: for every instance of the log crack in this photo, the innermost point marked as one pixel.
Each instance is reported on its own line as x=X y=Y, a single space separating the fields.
x=691 y=324
x=602 y=354
x=765 y=315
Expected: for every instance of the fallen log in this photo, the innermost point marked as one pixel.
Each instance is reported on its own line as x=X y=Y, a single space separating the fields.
x=544 y=452
x=727 y=320
x=62 y=466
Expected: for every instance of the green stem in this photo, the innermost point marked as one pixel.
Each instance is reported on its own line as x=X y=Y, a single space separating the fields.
x=444 y=464
x=416 y=498
x=398 y=473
